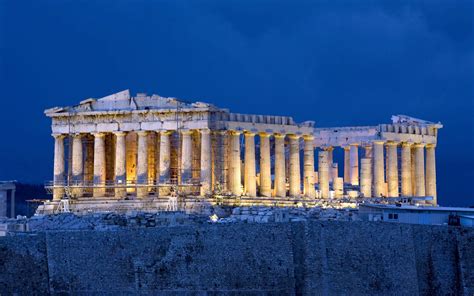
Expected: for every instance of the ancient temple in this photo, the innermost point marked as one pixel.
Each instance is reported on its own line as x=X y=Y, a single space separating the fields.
x=143 y=147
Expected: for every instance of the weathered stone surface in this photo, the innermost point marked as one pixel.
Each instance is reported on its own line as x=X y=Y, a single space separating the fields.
x=305 y=258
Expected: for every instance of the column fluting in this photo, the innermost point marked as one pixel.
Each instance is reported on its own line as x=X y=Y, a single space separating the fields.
x=295 y=175
x=99 y=165
x=59 y=167
x=120 y=165
x=308 y=171
x=378 y=161
x=280 y=175
x=265 y=166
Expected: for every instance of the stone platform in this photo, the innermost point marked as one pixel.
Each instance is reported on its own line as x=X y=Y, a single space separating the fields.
x=189 y=204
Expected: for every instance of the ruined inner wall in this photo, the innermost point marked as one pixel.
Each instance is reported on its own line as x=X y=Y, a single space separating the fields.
x=310 y=258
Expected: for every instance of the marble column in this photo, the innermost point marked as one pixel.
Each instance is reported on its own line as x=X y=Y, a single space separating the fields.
x=378 y=161
x=265 y=166
x=59 y=167
x=165 y=157
x=347 y=164
x=308 y=171
x=406 y=177
x=99 y=165
x=77 y=166
x=186 y=156
x=250 y=175
x=323 y=172
x=392 y=169
x=366 y=177
x=205 y=162
x=221 y=162
x=142 y=164
x=420 y=170
x=354 y=163
x=295 y=175
x=431 y=172
x=280 y=176
x=235 y=164
x=120 y=167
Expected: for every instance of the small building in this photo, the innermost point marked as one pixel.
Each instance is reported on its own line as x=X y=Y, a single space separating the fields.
x=7 y=189
x=415 y=214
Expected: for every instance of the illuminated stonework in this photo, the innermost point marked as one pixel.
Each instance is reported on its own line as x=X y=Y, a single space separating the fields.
x=138 y=147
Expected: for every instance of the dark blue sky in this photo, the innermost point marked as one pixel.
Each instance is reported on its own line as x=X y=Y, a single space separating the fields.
x=335 y=62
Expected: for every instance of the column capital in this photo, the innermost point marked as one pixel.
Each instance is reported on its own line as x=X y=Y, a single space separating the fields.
x=142 y=133
x=430 y=145
x=77 y=135
x=120 y=134
x=391 y=143
x=328 y=148
x=308 y=137
x=419 y=145
x=378 y=142
x=235 y=132
x=294 y=136
x=354 y=144
x=279 y=136
x=205 y=131
x=186 y=132
x=250 y=134
x=165 y=132
x=407 y=144
x=58 y=136
x=346 y=147
x=264 y=135
x=98 y=134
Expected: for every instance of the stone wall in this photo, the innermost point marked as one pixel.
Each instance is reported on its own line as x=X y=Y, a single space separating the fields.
x=309 y=258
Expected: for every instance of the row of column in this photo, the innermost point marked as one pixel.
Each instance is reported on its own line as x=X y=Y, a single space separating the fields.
x=120 y=180
x=265 y=189
x=414 y=180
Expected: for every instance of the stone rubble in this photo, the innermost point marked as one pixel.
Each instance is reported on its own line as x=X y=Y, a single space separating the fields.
x=135 y=219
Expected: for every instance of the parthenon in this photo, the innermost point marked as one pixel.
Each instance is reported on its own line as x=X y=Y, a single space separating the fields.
x=140 y=147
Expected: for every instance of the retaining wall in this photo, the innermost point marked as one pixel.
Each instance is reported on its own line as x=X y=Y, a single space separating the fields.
x=309 y=258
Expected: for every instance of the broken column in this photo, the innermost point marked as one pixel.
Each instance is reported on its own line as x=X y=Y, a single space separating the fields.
x=338 y=186
x=59 y=167
x=354 y=162
x=431 y=172
x=295 y=185
x=205 y=162
x=308 y=171
x=392 y=169
x=366 y=177
x=99 y=165
x=419 y=169
x=280 y=179
x=120 y=168
x=142 y=164
x=265 y=166
x=334 y=171
x=378 y=160
x=323 y=172
x=250 y=180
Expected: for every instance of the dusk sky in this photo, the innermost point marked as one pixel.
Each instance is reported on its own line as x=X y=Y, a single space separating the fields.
x=339 y=63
